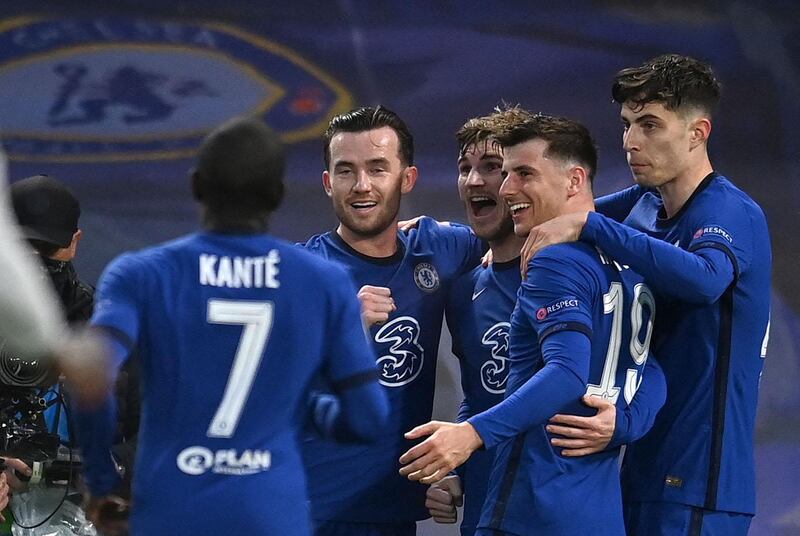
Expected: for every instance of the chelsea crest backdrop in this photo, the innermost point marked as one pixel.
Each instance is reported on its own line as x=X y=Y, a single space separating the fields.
x=114 y=97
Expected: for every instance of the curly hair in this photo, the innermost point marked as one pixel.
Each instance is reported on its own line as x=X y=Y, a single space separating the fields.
x=484 y=129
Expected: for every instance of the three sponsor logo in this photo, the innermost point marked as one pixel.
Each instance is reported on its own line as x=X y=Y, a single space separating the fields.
x=494 y=371
x=403 y=360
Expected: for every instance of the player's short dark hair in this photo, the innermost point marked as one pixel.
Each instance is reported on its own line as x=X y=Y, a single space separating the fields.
x=240 y=167
x=482 y=129
x=566 y=139
x=370 y=118
x=679 y=82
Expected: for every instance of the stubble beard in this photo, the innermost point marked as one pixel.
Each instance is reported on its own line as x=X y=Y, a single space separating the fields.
x=373 y=226
x=497 y=232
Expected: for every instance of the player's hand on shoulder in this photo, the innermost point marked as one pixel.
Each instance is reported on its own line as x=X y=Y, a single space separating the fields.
x=407 y=225
x=448 y=446
x=443 y=497
x=109 y=514
x=565 y=228
x=376 y=304
x=580 y=436
x=487 y=259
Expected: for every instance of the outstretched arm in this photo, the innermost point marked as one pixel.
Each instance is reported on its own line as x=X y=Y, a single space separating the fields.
x=561 y=381
x=618 y=205
x=699 y=276
x=116 y=319
x=96 y=429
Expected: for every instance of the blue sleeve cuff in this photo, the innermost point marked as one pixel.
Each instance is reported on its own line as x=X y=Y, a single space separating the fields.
x=621 y=434
x=482 y=426
x=589 y=230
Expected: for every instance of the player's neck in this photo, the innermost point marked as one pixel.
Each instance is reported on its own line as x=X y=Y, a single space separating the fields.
x=229 y=223
x=677 y=192
x=383 y=244
x=507 y=248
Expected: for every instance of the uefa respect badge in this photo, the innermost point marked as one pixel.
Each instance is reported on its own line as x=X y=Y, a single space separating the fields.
x=106 y=89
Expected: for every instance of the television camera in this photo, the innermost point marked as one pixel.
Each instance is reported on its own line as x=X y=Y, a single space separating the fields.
x=27 y=390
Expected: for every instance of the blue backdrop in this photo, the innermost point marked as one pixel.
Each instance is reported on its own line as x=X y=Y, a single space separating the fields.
x=113 y=100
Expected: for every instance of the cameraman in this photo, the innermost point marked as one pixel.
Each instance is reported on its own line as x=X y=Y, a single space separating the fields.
x=48 y=214
x=29 y=322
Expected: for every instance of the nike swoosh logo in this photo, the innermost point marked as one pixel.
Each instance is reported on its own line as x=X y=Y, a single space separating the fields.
x=476 y=294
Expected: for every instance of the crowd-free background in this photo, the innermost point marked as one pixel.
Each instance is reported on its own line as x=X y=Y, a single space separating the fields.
x=113 y=97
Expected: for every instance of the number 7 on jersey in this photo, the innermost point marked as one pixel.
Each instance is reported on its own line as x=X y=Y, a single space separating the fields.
x=256 y=317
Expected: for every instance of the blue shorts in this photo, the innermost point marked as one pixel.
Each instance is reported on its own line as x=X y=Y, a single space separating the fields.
x=347 y=528
x=675 y=519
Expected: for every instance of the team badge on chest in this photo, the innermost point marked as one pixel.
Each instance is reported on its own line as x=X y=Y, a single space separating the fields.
x=426 y=277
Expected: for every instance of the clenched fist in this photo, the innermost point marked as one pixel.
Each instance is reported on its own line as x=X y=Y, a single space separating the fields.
x=376 y=304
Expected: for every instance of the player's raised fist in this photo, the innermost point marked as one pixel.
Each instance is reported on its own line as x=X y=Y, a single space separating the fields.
x=376 y=304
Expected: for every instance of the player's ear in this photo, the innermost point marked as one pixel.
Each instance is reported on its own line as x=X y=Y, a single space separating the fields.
x=72 y=248
x=578 y=180
x=326 y=182
x=409 y=179
x=699 y=131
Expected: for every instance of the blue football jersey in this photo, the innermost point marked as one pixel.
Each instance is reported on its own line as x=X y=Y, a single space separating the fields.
x=361 y=483
x=571 y=288
x=478 y=316
x=230 y=330
x=700 y=450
